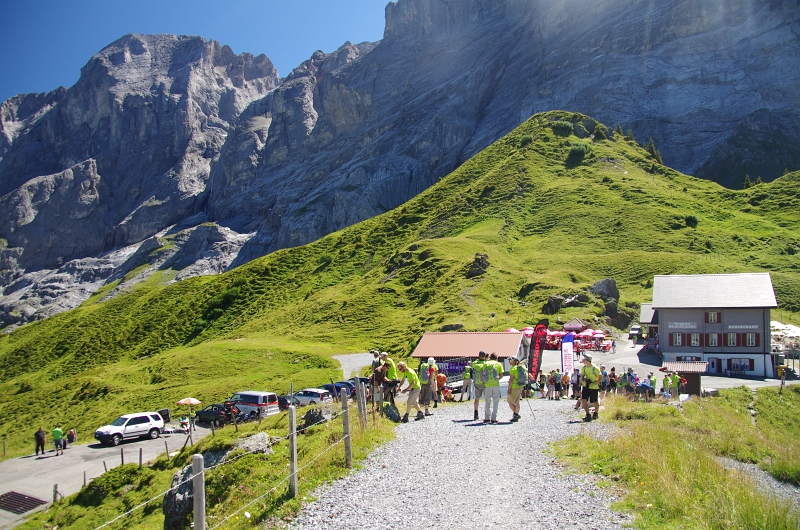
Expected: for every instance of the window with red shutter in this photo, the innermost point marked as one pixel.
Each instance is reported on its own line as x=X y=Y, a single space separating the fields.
x=758 y=339
x=752 y=364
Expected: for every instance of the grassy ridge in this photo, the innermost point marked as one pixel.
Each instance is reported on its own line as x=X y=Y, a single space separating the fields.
x=547 y=223
x=667 y=460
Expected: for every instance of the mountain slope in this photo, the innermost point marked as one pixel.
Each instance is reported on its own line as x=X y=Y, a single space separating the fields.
x=182 y=132
x=549 y=222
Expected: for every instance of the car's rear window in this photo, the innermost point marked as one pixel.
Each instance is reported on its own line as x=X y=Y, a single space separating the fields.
x=155 y=417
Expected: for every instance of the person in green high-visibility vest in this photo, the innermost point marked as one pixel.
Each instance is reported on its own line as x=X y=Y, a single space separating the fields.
x=413 y=389
x=480 y=386
x=675 y=386
x=391 y=382
x=466 y=384
x=426 y=382
x=590 y=375
x=515 y=387
x=493 y=371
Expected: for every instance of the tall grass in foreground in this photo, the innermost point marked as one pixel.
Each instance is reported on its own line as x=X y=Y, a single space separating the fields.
x=667 y=461
x=229 y=488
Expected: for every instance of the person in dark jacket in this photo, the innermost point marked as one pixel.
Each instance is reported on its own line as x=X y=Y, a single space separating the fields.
x=40 y=438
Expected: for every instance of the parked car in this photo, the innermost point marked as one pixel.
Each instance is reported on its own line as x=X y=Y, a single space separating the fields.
x=254 y=403
x=312 y=396
x=139 y=425
x=283 y=402
x=340 y=387
x=364 y=380
x=635 y=332
x=212 y=414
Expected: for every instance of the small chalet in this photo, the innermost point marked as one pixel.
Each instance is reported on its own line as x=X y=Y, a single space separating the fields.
x=577 y=325
x=453 y=350
x=720 y=319
x=648 y=318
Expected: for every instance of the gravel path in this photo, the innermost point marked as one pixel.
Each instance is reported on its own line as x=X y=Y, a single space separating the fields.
x=764 y=481
x=448 y=471
x=352 y=363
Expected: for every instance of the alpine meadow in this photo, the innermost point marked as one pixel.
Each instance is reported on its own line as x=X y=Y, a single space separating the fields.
x=559 y=203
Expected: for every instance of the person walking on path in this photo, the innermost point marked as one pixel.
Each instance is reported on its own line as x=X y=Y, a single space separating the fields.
x=493 y=370
x=518 y=378
x=40 y=438
x=590 y=374
x=675 y=384
x=480 y=386
x=426 y=384
x=466 y=384
x=391 y=382
x=58 y=439
x=413 y=390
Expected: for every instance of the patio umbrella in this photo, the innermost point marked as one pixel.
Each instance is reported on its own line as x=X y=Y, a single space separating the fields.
x=192 y=402
x=586 y=333
x=599 y=335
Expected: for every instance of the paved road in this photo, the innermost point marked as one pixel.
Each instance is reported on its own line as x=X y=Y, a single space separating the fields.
x=35 y=476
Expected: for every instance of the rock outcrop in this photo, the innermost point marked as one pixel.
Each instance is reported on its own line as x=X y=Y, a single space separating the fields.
x=164 y=131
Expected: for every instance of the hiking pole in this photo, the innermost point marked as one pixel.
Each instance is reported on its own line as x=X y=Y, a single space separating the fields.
x=528 y=400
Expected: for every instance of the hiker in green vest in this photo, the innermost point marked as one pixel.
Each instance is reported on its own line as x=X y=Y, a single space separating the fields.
x=480 y=386
x=590 y=375
x=518 y=378
x=391 y=382
x=492 y=372
x=466 y=384
x=676 y=383
x=653 y=384
x=413 y=390
x=58 y=438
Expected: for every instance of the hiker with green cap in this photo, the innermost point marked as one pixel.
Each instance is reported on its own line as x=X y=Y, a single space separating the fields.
x=492 y=372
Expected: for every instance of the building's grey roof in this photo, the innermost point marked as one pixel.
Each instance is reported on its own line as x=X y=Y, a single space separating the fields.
x=713 y=291
x=685 y=367
x=646 y=314
x=457 y=344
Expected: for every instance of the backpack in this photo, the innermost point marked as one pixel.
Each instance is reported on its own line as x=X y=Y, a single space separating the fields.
x=522 y=375
x=391 y=412
x=423 y=373
x=489 y=372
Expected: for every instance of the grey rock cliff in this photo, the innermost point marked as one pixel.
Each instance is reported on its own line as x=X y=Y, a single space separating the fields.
x=164 y=133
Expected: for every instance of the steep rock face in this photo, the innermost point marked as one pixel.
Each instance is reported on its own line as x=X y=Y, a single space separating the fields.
x=152 y=112
x=170 y=131
x=345 y=139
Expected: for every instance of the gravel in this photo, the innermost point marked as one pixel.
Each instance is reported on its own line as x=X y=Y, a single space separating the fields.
x=448 y=471
x=765 y=482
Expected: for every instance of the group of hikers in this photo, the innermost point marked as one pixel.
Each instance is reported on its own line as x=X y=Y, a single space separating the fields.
x=481 y=380
x=60 y=439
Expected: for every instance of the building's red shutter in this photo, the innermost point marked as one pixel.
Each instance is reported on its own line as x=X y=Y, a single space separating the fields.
x=739 y=340
x=706 y=315
x=685 y=341
x=752 y=364
x=702 y=339
x=730 y=365
x=758 y=339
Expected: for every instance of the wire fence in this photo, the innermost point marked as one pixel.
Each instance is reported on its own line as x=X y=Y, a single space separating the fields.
x=273 y=442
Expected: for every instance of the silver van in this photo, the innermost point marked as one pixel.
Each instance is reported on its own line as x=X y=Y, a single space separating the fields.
x=255 y=403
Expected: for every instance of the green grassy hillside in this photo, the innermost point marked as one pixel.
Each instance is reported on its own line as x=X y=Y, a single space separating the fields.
x=550 y=212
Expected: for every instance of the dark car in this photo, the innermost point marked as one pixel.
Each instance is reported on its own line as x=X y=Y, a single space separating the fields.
x=364 y=380
x=340 y=387
x=212 y=414
x=283 y=402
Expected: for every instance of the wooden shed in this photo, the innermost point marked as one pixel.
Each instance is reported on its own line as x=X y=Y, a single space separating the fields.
x=691 y=371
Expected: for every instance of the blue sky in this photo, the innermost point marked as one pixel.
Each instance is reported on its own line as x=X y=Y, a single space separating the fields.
x=44 y=44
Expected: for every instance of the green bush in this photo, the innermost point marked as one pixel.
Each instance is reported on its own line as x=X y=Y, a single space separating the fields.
x=525 y=140
x=691 y=221
x=577 y=152
x=562 y=128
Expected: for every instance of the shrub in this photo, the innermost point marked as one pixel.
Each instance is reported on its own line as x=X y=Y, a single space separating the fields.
x=600 y=133
x=324 y=259
x=525 y=140
x=577 y=152
x=562 y=128
x=691 y=221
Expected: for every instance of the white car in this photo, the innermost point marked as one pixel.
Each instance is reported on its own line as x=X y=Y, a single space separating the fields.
x=312 y=396
x=635 y=332
x=139 y=425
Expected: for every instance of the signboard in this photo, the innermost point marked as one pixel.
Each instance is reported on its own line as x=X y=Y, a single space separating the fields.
x=537 y=349
x=568 y=353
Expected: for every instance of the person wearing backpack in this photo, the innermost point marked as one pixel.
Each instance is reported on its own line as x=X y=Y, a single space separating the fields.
x=516 y=382
x=590 y=374
x=425 y=381
x=480 y=385
x=466 y=384
x=413 y=390
x=492 y=372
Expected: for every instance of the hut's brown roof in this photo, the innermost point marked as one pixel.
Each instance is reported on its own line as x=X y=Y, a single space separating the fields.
x=687 y=367
x=452 y=345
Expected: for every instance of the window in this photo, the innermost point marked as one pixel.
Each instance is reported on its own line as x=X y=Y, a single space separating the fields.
x=740 y=364
x=687 y=358
x=731 y=339
x=750 y=339
x=713 y=340
x=694 y=340
x=676 y=339
x=712 y=317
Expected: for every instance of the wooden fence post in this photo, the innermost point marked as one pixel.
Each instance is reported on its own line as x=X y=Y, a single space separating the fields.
x=293 y=451
x=105 y=466
x=348 y=448
x=122 y=456
x=199 y=492
x=140 y=458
